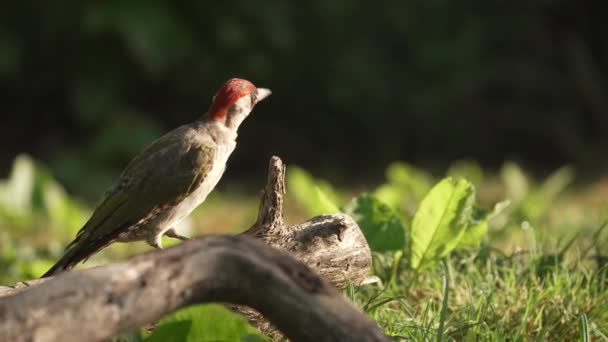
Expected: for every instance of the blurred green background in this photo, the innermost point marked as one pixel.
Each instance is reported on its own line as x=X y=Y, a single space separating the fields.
x=86 y=84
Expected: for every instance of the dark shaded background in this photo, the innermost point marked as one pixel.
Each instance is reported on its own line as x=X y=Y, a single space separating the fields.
x=86 y=84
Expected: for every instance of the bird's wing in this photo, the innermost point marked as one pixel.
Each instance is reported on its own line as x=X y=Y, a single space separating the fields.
x=160 y=176
x=166 y=171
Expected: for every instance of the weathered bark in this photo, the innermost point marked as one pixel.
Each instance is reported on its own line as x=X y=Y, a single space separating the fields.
x=332 y=245
x=97 y=303
x=20 y=286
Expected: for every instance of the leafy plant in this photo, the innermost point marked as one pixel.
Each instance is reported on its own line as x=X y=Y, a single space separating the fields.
x=29 y=198
x=31 y=194
x=441 y=221
x=478 y=227
x=380 y=224
x=208 y=322
x=532 y=202
x=445 y=218
x=406 y=185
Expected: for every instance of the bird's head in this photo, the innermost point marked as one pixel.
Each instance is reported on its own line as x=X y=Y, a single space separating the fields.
x=234 y=101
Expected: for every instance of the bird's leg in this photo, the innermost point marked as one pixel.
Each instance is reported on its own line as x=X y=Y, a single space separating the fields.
x=172 y=233
x=155 y=241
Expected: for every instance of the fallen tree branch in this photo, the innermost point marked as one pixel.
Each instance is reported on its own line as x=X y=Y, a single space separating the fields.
x=97 y=303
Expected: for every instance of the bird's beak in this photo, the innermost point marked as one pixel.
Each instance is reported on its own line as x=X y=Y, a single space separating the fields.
x=261 y=93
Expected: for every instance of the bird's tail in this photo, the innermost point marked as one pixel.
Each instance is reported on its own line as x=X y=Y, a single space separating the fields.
x=73 y=255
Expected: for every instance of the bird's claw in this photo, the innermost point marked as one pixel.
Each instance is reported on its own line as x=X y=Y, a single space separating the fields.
x=172 y=233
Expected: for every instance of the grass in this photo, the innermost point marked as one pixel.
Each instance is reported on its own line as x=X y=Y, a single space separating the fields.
x=487 y=295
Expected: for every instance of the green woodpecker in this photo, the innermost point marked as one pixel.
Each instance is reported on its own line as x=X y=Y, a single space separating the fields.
x=168 y=179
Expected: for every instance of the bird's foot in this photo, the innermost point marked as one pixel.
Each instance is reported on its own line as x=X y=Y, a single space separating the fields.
x=155 y=242
x=172 y=233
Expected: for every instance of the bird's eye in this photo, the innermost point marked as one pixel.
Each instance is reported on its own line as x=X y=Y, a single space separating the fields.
x=254 y=98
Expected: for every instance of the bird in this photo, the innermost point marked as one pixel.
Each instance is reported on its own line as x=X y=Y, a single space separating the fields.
x=168 y=179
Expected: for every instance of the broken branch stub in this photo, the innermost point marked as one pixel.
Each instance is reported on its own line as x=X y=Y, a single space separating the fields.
x=332 y=245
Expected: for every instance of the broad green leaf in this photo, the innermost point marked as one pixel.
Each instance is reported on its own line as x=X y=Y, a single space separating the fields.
x=516 y=182
x=416 y=181
x=171 y=332
x=405 y=187
x=315 y=196
x=499 y=208
x=473 y=235
x=440 y=221
x=477 y=228
x=325 y=202
x=380 y=224
x=391 y=195
x=404 y=173
x=208 y=322
x=132 y=336
x=17 y=190
x=540 y=200
x=557 y=182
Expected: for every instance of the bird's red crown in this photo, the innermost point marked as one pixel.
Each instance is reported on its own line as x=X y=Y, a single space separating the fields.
x=228 y=94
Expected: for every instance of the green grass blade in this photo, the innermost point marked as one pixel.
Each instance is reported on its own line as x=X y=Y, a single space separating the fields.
x=395 y=267
x=582 y=324
x=444 y=304
x=350 y=290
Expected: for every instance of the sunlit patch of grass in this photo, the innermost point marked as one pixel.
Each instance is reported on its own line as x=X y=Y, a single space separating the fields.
x=492 y=296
